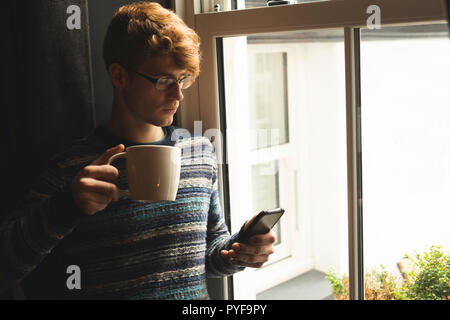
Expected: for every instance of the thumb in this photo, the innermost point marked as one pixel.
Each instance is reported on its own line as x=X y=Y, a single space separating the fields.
x=103 y=159
x=248 y=223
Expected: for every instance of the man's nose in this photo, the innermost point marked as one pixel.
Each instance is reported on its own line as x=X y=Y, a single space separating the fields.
x=175 y=92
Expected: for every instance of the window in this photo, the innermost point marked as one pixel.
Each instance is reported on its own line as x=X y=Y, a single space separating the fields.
x=287 y=101
x=265 y=190
x=289 y=87
x=267 y=86
x=405 y=127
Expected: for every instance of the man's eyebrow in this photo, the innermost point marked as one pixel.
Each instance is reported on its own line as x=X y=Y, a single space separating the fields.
x=163 y=74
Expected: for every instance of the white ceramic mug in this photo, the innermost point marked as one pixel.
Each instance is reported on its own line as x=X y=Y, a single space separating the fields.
x=153 y=172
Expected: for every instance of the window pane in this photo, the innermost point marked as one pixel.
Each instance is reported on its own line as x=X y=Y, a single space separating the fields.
x=405 y=124
x=263 y=3
x=293 y=83
x=265 y=184
x=267 y=83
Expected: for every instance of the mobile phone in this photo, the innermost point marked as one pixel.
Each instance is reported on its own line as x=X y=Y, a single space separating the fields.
x=264 y=221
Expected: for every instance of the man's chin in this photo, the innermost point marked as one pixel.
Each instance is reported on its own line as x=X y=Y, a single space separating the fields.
x=164 y=122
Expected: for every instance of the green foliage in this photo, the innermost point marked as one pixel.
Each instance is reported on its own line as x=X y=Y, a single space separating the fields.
x=338 y=287
x=379 y=284
x=427 y=279
x=430 y=276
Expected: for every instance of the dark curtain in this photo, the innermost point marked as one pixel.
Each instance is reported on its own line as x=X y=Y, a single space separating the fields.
x=47 y=97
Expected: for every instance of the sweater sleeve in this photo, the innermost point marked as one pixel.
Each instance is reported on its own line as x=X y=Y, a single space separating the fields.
x=218 y=237
x=35 y=227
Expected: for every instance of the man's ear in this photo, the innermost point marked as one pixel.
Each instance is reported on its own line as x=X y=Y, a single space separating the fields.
x=118 y=75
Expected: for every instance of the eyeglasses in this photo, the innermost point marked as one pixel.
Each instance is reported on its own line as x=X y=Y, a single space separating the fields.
x=165 y=83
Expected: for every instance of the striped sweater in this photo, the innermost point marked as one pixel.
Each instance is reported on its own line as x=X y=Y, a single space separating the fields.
x=129 y=250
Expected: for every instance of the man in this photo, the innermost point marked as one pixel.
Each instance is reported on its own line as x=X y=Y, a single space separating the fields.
x=76 y=238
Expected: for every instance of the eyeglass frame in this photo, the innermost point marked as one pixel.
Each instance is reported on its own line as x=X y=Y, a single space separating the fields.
x=155 y=80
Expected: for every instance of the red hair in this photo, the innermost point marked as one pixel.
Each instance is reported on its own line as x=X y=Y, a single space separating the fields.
x=140 y=30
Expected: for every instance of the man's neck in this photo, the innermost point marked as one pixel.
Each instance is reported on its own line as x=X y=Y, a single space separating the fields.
x=134 y=131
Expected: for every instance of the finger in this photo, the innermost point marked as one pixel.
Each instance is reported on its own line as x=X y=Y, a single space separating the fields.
x=249 y=222
x=250 y=258
x=103 y=159
x=93 y=197
x=247 y=264
x=263 y=239
x=253 y=249
x=227 y=253
x=106 y=189
x=102 y=172
x=244 y=260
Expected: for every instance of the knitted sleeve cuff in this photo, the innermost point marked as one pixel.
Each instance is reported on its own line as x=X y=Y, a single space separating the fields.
x=63 y=214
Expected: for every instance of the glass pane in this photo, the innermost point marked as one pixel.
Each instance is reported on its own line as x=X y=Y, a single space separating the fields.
x=405 y=124
x=293 y=84
x=267 y=83
x=265 y=194
x=264 y=3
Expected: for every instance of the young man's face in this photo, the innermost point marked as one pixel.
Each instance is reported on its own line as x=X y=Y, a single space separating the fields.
x=144 y=101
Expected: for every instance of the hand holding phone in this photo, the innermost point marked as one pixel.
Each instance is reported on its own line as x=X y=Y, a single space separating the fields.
x=263 y=223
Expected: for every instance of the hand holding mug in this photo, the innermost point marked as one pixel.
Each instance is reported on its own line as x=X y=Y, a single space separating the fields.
x=153 y=174
x=93 y=187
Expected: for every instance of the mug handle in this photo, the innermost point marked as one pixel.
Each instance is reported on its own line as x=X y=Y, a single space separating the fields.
x=113 y=158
